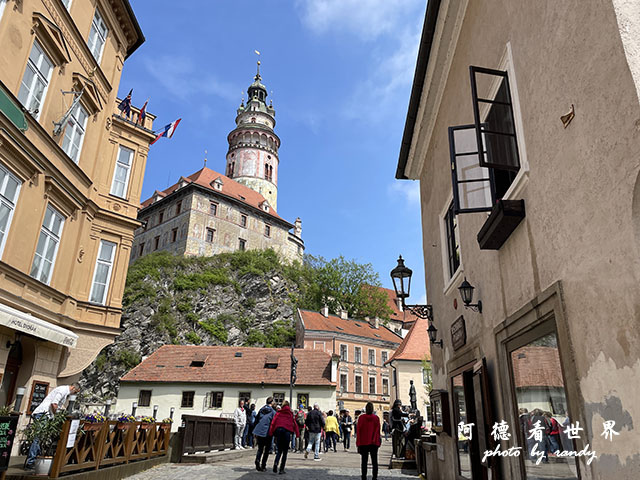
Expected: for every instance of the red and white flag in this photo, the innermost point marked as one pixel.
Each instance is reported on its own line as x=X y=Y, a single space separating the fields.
x=167 y=131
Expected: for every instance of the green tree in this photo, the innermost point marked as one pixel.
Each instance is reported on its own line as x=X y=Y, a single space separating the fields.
x=427 y=372
x=343 y=284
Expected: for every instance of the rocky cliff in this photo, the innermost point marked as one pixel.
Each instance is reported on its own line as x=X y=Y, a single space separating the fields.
x=243 y=298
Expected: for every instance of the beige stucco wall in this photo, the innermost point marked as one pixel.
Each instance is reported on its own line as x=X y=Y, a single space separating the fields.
x=407 y=370
x=79 y=191
x=170 y=395
x=581 y=225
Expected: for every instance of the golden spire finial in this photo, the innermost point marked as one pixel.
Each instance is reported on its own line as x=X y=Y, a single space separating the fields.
x=205 y=158
x=258 y=72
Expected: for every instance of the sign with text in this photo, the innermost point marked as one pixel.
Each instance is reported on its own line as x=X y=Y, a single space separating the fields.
x=38 y=393
x=8 y=427
x=458 y=333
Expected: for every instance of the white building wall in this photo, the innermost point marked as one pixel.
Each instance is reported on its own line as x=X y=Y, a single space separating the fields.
x=167 y=395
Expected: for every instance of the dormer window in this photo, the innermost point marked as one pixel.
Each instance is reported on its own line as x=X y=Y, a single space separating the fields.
x=197 y=363
x=218 y=183
x=265 y=206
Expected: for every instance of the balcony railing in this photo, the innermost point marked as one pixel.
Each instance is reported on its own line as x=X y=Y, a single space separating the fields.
x=98 y=445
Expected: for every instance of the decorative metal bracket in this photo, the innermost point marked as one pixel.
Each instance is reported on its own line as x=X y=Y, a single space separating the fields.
x=420 y=311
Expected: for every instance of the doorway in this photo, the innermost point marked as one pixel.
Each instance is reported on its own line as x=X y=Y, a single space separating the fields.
x=11 y=370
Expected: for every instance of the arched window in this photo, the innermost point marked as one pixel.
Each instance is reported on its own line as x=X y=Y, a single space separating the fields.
x=263 y=140
x=256 y=138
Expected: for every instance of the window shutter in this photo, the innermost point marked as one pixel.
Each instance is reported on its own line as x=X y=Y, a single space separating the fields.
x=484 y=416
x=472 y=183
x=494 y=120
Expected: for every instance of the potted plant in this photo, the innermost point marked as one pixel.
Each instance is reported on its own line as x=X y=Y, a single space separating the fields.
x=46 y=430
x=166 y=423
x=147 y=422
x=124 y=421
x=93 y=422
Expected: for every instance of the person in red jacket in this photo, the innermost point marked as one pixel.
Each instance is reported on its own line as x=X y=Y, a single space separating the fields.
x=282 y=426
x=368 y=441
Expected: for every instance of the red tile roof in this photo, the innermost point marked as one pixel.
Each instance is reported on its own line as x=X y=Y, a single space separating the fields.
x=537 y=367
x=205 y=177
x=171 y=363
x=317 y=322
x=415 y=345
x=405 y=317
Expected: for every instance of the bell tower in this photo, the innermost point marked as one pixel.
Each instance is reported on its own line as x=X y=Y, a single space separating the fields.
x=252 y=158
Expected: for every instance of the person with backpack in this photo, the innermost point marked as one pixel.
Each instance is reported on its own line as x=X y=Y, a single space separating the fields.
x=553 y=432
x=261 y=431
x=300 y=419
x=368 y=441
x=282 y=427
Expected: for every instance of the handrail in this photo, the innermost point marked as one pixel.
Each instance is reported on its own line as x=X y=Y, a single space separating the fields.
x=99 y=445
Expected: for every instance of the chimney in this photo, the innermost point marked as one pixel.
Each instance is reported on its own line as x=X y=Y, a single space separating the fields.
x=344 y=314
x=399 y=304
x=375 y=322
x=325 y=311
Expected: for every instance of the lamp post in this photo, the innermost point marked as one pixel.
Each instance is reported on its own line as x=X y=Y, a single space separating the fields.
x=155 y=411
x=294 y=375
x=134 y=406
x=107 y=406
x=466 y=293
x=401 y=276
x=20 y=391
x=173 y=409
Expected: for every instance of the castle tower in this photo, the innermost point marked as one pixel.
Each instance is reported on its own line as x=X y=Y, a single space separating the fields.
x=252 y=158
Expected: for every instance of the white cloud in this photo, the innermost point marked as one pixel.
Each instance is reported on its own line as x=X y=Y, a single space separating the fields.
x=409 y=190
x=183 y=78
x=366 y=19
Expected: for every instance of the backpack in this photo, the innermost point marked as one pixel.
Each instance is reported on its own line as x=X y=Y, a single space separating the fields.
x=300 y=418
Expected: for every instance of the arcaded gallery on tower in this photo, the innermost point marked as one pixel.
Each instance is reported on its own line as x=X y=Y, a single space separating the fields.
x=207 y=212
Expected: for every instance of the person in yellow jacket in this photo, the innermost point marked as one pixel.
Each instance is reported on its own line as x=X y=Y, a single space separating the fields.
x=332 y=431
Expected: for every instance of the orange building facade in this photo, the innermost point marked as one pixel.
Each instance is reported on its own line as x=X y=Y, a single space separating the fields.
x=363 y=347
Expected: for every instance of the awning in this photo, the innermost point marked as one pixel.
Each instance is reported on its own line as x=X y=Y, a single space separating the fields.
x=24 y=322
x=12 y=111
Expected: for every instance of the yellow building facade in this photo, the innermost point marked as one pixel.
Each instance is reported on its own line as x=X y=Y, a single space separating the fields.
x=71 y=171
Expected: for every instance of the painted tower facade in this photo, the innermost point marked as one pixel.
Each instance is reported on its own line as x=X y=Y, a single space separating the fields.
x=252 y=159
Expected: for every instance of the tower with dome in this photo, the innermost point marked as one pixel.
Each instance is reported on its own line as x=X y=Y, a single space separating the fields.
x=207 y=212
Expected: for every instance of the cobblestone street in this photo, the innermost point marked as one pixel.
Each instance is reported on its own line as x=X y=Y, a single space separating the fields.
x=334 y=466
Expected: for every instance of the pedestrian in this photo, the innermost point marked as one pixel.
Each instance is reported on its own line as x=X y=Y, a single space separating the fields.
x=306 y=430
x=347 y=424
x=397 y=428
x=248 y=429
x=240 y=420
x=261 y=431
x=331 y=431
x=315 y=424
x=386 y=429
x=282 y=427
x=300 y=418
x=49 y=406
x=368 y=441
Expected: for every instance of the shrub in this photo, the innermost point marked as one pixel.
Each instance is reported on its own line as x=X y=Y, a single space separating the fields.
x=184 y=307
x=192 y=317
x=202 y=280
x=215 y=328
x=128 y=358
x=193 y=337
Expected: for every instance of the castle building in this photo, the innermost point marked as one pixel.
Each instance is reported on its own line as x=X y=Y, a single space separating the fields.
x=208 y=213
x=71 y=172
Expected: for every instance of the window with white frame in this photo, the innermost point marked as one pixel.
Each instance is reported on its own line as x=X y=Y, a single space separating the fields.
x=358 y=354
x=74 y=132
x=67 y=3
x=358 y=383
x=47 y=248
x=343 y=382
x=372 y=385
x=344 y=353
x=122 y=172
x=385 y=357
x=97 y=36
x=9 y=190
x=372 y=356
x=102 y=274
x=385 y=386
x=35 y=80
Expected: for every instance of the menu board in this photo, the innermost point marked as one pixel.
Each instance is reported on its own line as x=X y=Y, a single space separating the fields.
x=8 y=427
x=38 y=393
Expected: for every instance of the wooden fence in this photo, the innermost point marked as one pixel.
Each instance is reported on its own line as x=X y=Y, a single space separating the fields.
x=203 y=434
x=102 y=444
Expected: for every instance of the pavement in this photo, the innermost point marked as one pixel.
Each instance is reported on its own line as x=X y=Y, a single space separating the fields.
x=336 y=466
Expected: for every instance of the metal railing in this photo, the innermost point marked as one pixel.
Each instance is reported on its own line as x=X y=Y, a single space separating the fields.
x=99 y=445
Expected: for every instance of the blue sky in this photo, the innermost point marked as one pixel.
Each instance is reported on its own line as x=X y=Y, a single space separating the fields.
x=340 y=74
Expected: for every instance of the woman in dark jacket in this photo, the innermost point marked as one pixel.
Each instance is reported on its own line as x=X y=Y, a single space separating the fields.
x=368 y=441
x=261 y=431
x=282 y=426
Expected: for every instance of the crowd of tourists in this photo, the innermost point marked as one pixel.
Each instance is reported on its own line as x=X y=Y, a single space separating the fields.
x=277 y=428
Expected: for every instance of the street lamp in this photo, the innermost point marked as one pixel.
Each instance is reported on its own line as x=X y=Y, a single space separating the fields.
x=134 y=406
x=107 y=406
x=401 y=277
x=173 y=409
x=72 y=401
x=466 y=293
x=155 y=411
x=20 y=391
x=433 y=334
